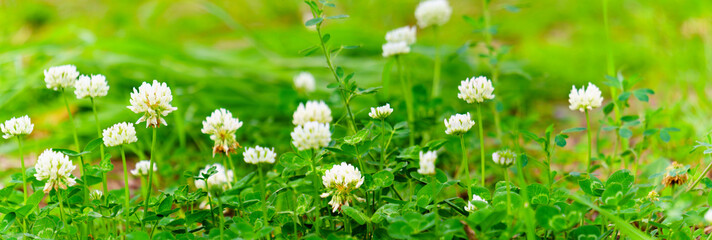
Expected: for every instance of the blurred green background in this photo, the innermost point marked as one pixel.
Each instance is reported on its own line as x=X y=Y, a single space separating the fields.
x=242 y=55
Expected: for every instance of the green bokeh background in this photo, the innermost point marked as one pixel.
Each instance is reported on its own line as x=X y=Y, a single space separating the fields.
x=242 y=55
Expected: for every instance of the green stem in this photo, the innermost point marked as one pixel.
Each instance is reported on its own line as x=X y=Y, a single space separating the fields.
x=61 y=208
x=383 y=145
x=700 y=177
x=588 y=132
x=85 y=187
x=127 y=195
x=210 y=201
x=465 y=165
x=327 y=55
x=408 y=95
x=506 y=181
x=436 y=67
x=150 y=177
x=101 y=148
x=482 y=142
x=317 y=198
x=263 y=189
x=227 y=175
x=22 y=164
x=528 y=212
x=222 y=217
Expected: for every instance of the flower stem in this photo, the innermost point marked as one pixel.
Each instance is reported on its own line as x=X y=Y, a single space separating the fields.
x=85 y=189
x=222 y=217
x=61 y=208
x=408 y=95
x=127 y=195
x=263 y=189
x=101 y=149
x=509 y=198
x=327 y=55
x=482 y=142
x=383 y=144
x=150 y=176
x=232 y=165
x=465 y=165
x=317 y=198
x=227 y=176
x=588 y=132
x=700 y=177
x=436 y=65
x=22 y=164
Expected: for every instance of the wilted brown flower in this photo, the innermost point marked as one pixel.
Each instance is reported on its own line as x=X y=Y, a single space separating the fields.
x=675 y=175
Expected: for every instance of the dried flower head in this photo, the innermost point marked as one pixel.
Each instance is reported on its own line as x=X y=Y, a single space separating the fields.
x=142 y=167
x=433 y=13
x=458 y=124
x=339 y=182
x=427 y=162
x=312 y=135
x=675 y=174
x=585 y=98
x=119 y=134
x=222 y=127
x=313 y=111
x=476 y=89
x=94 y=86
x=16 y=127
x=61 y=77
x=153 y=101
x=56 y=169
x=381 y=112
x=257 y=154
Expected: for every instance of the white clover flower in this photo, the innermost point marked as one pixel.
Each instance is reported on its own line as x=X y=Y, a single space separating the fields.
x=119 y=134
x=504 y=157
x=313 y=111
x=217 y=182
x=305 y=82
x=708 y=216
x=475 y=198
x=259 y=154
x=222 y=127
x=339 y=182
x=153 y=101
x=403 y=34
x=433 y=12
x=96 y=195
x=475 y=89
x=94 y=86
x=56 y=169
x=459 y=124
x=17 y=127
x=61 y=77
x=583 y=99
x=312 y=135
x=427 y=162
x=141 y=168
x=381 y=112
x=395 y=48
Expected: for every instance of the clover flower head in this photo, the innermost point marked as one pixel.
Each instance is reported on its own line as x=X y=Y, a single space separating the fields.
x=61 y=77
x=56 y=169
x=312 y=135
x=119 y=134
x=16 y=127
x=585 y=98
x=395 y=48
x=313 y=111
x=221 y=127
x=458 y=124
x=153 y=101
x=403 y=34
x=94 y=86
x=257 y=154
x=427 y=162
x=217 y=182
x=305 y=82
x=477 y=200
x=432 y=13
x=675 y=175
x=340 y=181
x=381 y=112
x=476 y=89
x=653 y=196
x=142 y=167
x=708 y=216
x=96 y=195
x=504 y=158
